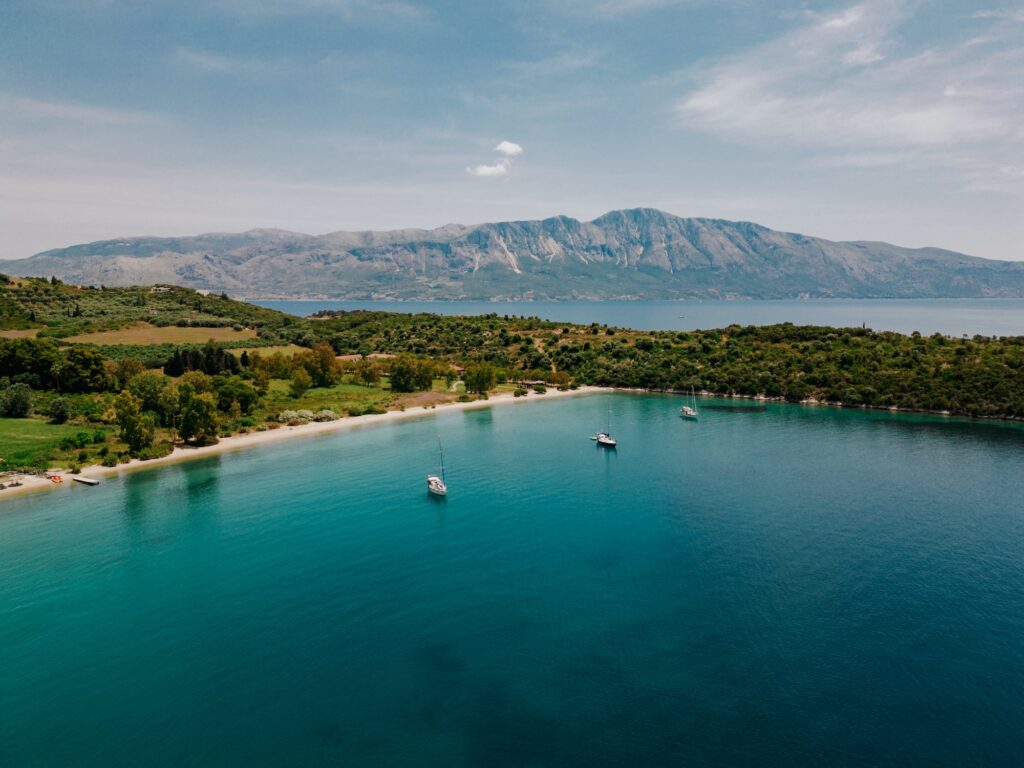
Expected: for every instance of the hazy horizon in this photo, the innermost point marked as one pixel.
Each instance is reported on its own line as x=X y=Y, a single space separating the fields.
x=214 y=232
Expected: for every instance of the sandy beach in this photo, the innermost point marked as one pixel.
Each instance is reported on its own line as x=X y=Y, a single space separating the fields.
x=34 y=483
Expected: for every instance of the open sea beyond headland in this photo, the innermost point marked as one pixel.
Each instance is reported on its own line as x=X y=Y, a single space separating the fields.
x=773 y=585
x=952 y=317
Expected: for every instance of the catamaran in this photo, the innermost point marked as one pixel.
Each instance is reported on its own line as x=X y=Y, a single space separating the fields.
x=436 y=485
x=690 y=411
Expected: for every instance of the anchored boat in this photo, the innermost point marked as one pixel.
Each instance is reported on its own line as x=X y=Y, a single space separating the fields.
x=436 y=485
x=690 y=411
x=605 y=438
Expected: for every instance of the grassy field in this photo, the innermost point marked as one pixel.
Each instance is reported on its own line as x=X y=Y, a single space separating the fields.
x=285 y=349
x=342 y=399
x=144 y=333
x=32 y=442
x=28 y=333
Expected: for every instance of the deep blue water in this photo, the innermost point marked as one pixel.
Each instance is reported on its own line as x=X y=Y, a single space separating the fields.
x=777 y=587
x=953 y=317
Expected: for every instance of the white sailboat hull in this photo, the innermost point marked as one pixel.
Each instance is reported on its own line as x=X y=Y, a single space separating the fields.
x=436 y=486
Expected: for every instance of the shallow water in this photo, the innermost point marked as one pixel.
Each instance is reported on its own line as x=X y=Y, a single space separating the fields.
x=789 y=586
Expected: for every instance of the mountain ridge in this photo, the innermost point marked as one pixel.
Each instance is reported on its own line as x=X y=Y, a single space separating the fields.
x=639 y=253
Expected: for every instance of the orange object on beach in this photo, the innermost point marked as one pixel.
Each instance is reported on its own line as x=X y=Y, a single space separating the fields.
x=56 y=479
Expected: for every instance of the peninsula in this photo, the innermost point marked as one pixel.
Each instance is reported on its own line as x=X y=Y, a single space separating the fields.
x=108 y=376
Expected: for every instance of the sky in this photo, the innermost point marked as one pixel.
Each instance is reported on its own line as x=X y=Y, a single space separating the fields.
x=895 y=120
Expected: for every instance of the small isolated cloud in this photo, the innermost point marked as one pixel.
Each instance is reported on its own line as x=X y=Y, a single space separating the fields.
x=502 y=166
x=509 y=149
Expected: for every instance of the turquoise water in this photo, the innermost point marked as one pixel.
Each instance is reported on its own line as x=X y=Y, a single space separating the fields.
x=953 y=317
x=786 y=586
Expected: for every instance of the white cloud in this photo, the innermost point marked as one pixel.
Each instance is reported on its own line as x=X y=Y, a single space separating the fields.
x=613 y=8
x=218 y=63
x=69 y=111
x=850 y=85
x=347 y=9
x=1009 y=14
x=501 y=167
x=509 y=149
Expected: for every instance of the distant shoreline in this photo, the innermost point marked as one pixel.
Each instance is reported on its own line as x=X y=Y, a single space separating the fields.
x=35 y=483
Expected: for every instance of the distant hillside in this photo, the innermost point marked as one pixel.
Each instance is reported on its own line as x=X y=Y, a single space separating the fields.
x=632 y=254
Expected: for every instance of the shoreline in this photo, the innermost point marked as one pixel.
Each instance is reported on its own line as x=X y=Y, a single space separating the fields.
x=38 y=484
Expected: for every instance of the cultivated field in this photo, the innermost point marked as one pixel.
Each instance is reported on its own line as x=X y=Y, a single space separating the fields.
x=144 y=333
x=285 y=349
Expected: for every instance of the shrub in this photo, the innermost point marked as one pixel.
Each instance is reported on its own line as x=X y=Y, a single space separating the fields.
x=295 y=417
x=156 y=451
x=81 y=440
x=59 y=410
x=109 y=461
x=325 y=415
x=17 y=401
x=540 y=389
x=519 y=392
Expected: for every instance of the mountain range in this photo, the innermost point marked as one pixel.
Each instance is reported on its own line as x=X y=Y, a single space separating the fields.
x=628 y=254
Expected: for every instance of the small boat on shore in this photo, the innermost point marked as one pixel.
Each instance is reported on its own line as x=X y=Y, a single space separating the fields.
x=86 y=480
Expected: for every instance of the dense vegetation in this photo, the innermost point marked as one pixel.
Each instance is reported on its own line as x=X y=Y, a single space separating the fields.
x=116 y=401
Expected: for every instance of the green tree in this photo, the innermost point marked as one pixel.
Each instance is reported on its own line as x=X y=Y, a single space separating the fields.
x=82 y=370
x=480 y=377
x=137 y=428
x=301 y=382
x=234 y=390
x=126 y=369
x=17 y=401
x=157 y=393
x=321 y=364
x=403 y=374
x=197 y=418
x=367 y=372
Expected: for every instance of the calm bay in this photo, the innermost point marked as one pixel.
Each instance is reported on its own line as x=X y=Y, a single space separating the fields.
x=771 y=585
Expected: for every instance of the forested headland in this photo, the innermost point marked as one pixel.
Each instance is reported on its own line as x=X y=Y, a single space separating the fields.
x=99 y=375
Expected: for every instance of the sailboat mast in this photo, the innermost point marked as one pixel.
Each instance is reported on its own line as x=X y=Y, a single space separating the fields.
x=440 y=450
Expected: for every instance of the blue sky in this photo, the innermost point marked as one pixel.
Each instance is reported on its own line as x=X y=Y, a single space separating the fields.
x=898 y=120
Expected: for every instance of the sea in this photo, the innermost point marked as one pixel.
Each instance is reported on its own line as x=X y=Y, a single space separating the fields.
x=772 y=585
x=950 y=317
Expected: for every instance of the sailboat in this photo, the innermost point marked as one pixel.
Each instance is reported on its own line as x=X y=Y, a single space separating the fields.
x=605 y=438
x=690 y=411
x=436 y=485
